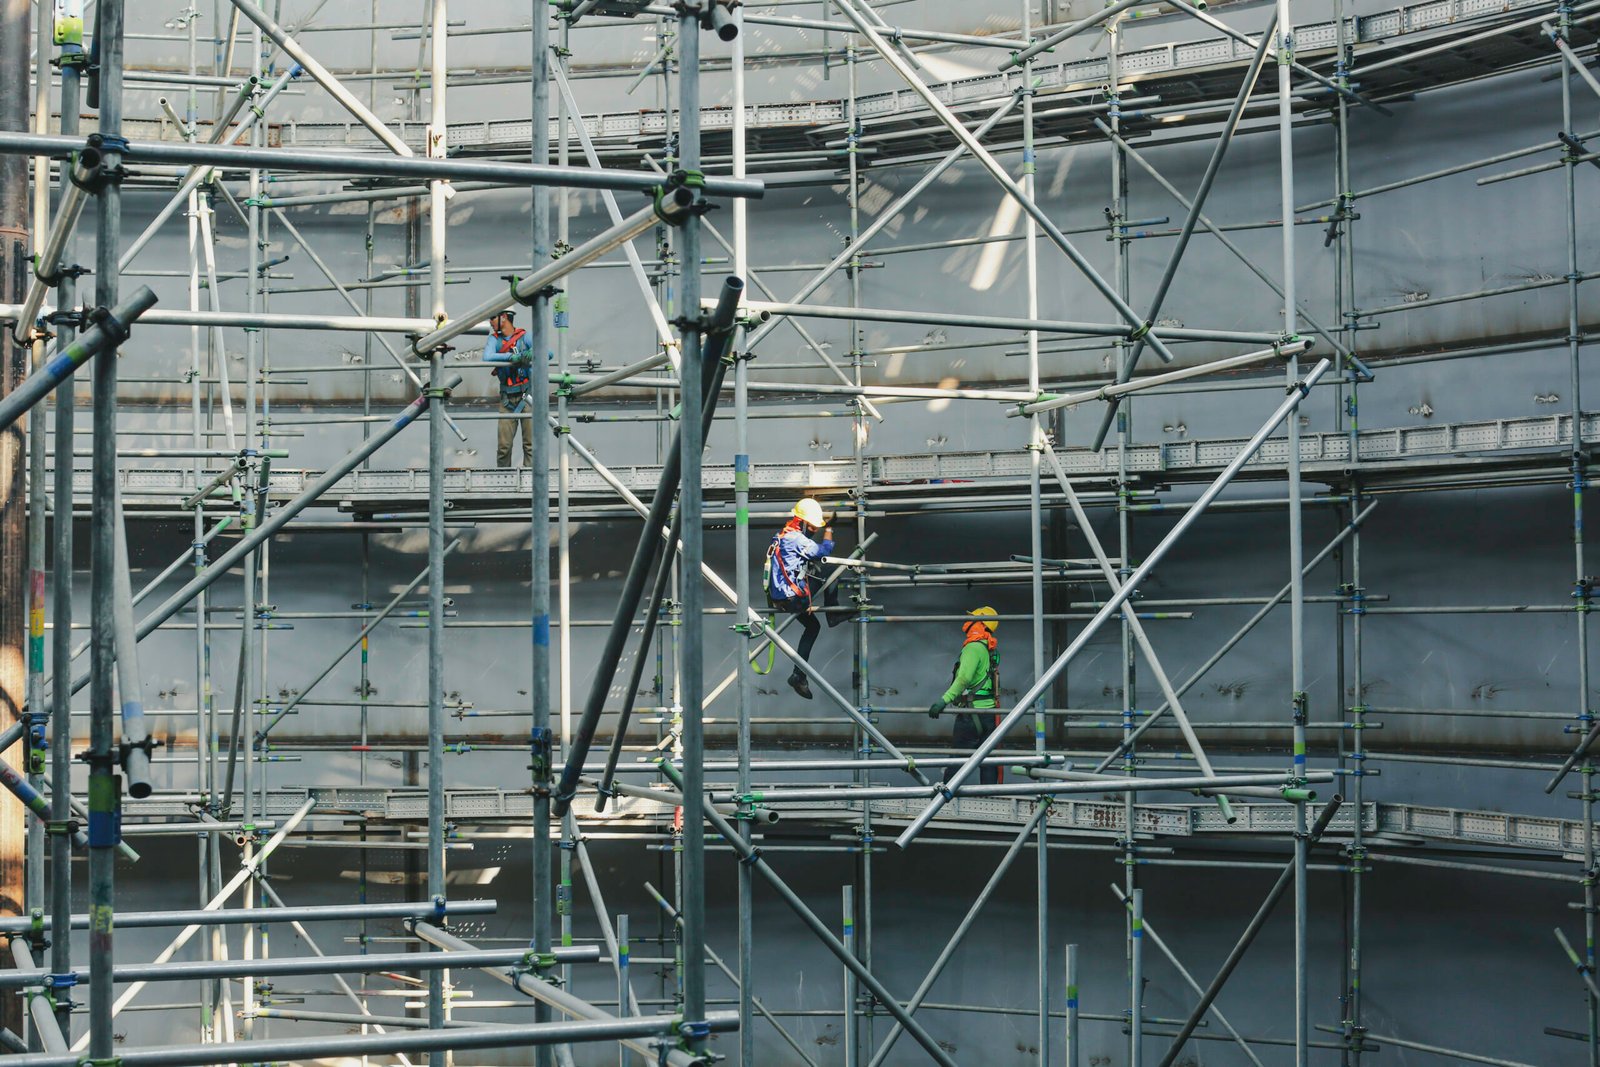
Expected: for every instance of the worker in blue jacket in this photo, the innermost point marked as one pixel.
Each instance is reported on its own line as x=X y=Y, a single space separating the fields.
x=510 y=348
x=788 y=580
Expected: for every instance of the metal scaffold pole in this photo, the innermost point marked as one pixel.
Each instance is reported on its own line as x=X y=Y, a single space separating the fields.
x=438 y=206
x=1581 y=581
x=537 y=426
x=14 y=349
x=1298 y=697
x=691 y=443
x=1035 y=429
x=105 y=786
x=72 y=59
x=1127 y=666
x=745 y=691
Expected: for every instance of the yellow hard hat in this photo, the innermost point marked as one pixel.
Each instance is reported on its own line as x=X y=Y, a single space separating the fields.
x=989 y=616
x=809 y=512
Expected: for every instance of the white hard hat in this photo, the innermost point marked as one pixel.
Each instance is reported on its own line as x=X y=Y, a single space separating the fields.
x=809 y=512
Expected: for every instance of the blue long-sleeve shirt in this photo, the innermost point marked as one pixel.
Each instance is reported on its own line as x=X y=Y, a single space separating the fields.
x=791 y=551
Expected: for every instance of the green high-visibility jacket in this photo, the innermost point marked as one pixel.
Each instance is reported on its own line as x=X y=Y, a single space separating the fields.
x=972 y=673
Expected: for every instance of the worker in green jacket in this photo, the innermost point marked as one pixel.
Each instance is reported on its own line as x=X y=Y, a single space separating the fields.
x=974 y=684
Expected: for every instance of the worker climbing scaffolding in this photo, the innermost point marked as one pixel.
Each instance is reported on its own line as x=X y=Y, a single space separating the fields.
x=787 y=577
x=974 y=684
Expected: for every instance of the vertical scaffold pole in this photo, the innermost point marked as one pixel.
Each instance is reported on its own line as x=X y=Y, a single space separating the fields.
x=691 y=439
x=1124 y=427
x=1580 y=580
x=1030 y=251
x=539 y=516
x=104 y=784
x=741 y=554
x=1297 y=607
x=72 y=58
x=438 y=137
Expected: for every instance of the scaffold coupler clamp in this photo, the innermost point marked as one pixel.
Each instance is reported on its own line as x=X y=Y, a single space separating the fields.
x=532 y=299
x=148 y=746
x=691 y=1032
x=540 y=743
x=112 y=326
x=1286 y=341
x=541 y=965
x=101 y=175
x=681 y=192
x=433 y=392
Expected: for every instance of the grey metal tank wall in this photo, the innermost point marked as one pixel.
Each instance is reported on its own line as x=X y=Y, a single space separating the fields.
x=1461 y=960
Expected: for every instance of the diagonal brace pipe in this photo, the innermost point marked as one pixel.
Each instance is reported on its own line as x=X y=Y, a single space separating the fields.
x=1220 y=149
x=1114 y=603
x=1051 y=230
x=108 y=331
x=1135 y=627
x=751 y=855
x=1257 y=921
x=719 y=335
x=1227 y=646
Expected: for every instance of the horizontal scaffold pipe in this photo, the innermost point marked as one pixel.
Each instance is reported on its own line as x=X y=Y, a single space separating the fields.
x=282 y=966
x=521 y=979
x=1004 y=322
x=1106 y=784
x=268 y=320
x=324 y=1048
x=1291 y=348
x=228 y=916
x=910 y=392
x=285 y=161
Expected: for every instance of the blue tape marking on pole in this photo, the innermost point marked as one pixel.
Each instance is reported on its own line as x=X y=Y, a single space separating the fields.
x=63 y=365
x=541 y=630
x=741 y=462
x=105 y=829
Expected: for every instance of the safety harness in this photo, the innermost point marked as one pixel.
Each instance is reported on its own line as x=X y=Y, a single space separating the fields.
x=776 y=580
x=989 y=685
x=514 y=379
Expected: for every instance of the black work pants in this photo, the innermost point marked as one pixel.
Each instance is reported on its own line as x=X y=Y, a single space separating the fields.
x=800 y=607
x=970 y=730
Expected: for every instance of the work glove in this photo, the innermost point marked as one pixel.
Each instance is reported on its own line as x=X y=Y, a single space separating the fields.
x=935 y=708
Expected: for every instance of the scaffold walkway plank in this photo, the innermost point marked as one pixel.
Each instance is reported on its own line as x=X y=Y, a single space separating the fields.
x=991 y=815
x=1384 y=450
x=1174 y=70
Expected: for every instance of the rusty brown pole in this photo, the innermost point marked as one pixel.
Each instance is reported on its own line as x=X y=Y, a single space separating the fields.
x=15 y=266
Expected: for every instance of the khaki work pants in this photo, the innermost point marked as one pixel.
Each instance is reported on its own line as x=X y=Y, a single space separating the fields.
x=508 y=431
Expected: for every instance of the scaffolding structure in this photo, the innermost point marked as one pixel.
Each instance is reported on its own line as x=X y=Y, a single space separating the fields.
x=1310 y=810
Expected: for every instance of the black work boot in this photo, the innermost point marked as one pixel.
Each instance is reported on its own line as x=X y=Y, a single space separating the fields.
x=798 y=683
